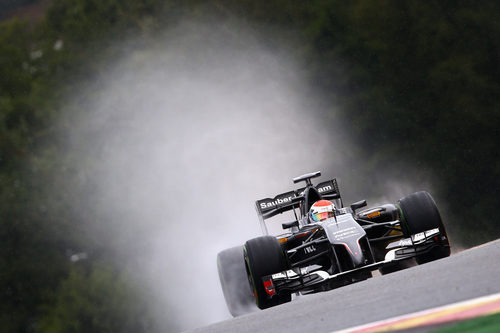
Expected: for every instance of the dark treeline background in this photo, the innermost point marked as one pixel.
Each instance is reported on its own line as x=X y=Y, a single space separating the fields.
x=414 y=81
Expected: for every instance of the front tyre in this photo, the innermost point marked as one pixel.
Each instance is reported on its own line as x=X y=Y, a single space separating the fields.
x=264 y=256
x=419 y=213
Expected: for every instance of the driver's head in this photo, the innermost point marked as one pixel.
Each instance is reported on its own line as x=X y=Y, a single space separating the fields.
x=321 y=210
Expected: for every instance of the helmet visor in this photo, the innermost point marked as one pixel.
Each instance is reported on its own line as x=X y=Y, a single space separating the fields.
x=321 y=216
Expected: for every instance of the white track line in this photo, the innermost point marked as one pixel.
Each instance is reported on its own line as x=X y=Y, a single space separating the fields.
x=420 y=313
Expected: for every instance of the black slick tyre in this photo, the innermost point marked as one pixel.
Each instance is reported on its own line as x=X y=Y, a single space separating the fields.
x=233 y=279
x=264 y=256
x=419 y=213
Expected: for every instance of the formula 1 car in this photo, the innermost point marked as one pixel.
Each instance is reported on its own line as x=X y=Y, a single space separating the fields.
x=318 y=256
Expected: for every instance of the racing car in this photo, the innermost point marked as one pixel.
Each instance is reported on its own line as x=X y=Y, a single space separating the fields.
x=327 y=245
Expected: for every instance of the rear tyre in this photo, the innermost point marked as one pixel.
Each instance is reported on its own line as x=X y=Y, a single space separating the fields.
x=264 y=256
x=419 y=213
x=233 y=280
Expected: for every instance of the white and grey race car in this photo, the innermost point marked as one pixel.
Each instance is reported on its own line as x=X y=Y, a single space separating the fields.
x=317 y=256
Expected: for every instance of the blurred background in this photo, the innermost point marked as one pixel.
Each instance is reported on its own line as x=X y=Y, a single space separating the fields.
x=135 y=137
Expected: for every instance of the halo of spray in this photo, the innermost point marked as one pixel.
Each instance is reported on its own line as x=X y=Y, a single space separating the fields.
x=185 y=135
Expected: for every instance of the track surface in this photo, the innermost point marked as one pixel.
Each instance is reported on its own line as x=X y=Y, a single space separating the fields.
x=463 y=276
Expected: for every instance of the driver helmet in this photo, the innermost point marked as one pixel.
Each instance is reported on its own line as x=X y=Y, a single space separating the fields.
x=321 y=210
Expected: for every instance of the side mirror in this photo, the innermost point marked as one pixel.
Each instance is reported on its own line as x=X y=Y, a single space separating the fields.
x=288 y=225
x=358 y=204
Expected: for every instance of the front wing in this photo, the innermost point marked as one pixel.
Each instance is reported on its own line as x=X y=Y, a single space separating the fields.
x=292 y=281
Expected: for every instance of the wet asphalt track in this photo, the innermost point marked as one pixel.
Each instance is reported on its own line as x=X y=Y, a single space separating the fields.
x=465 y=275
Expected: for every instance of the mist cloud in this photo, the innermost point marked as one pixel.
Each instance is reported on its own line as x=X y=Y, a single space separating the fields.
x=186 y=135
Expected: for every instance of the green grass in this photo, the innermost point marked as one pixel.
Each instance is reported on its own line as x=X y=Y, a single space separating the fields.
x=486 y=324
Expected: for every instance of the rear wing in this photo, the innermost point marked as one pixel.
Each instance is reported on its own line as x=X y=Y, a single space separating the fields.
x=287 y=201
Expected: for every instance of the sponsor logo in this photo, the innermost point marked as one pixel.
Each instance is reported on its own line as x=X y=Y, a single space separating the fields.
x=325 y=188
x=284 y=275
x=424 y=235
x=310 y=249
x=405 y=242
x=274 y=203
x=322 y=189
x=271 y=203
x=345 y=233
x=418 y=237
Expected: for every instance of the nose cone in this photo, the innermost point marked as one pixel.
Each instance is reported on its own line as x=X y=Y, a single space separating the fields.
x=345 y=231
x=354 y=250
